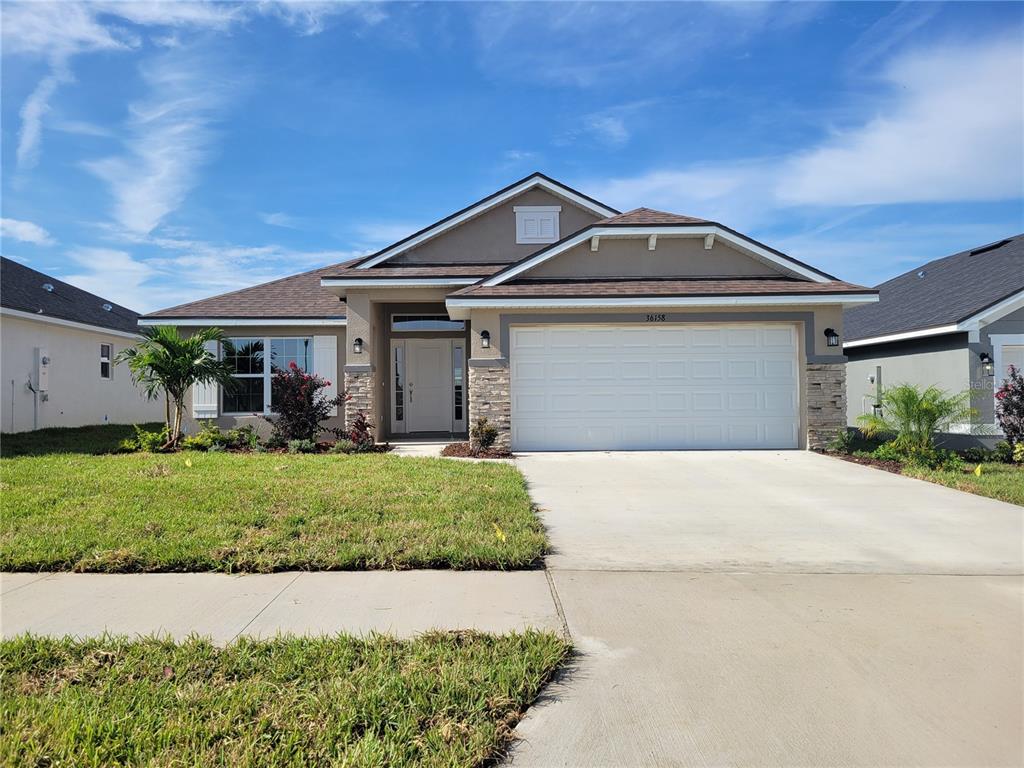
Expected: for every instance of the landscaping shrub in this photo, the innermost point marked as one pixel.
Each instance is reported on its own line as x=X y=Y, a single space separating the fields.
x=360 y=434
x=1003 y=452
x=300 y=406
x=926 y=458
x=343 y=445
x=245 y=438
x=913 y=416
x=208 y=436
x=482 y=435
x=146 y=440
x=1010 y=407
x=1018 y=453
x=844 y=442
x=301 y=446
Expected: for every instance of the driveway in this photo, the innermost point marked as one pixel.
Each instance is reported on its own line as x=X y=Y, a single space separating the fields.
x=760 y=608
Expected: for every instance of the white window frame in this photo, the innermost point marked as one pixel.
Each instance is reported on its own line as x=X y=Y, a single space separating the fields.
x=108 y=359
x=266 y=375
x=524 y=212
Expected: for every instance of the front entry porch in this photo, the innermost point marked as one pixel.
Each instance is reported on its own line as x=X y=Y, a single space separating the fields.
x=427 y=387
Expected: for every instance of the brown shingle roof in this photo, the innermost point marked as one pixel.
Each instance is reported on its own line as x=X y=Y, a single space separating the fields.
x=299 y=296
x=648 y=216
x=552 y=289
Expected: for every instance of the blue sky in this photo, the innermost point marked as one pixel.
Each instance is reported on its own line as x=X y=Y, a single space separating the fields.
x=156 y=153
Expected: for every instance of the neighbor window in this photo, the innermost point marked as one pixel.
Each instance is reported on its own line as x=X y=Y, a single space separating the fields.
x=247 y=358
x=402 y=323
x=537 y=223
x=105 y=354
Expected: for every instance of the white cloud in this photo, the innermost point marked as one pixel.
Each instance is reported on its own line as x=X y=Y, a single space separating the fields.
x=381 y=233
x=279 y=219
x=310 y=17
x=112 y=274
x=32 y=112
x=947 y=128
x=25 y=231
x=170 y=135
x=611 y=129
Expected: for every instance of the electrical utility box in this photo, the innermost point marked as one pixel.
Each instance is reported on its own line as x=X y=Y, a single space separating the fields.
x=42 y=369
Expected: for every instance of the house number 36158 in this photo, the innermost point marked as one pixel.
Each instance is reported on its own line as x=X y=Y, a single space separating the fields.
x=656 y=318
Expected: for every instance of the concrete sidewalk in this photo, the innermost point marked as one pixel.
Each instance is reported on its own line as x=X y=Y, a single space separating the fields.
x=224 y=607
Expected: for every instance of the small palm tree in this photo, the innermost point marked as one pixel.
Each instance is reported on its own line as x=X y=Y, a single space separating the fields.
x=165 y=361
x=913 y=416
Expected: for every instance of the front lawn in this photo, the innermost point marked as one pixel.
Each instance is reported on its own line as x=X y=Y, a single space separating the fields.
x=998 y=481
x=195 y=511
x=99 y=438
x=438 y=700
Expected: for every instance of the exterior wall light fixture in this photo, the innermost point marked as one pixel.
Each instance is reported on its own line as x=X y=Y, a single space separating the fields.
x=357 y=346
x=831 y=337
x=485 y=339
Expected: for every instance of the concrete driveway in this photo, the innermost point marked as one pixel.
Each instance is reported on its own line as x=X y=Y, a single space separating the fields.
x=776 y=609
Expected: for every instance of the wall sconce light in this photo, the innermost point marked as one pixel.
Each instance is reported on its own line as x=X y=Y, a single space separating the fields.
x=485 y=339
x=986 y=364
x=357 y=346
x=831 y=337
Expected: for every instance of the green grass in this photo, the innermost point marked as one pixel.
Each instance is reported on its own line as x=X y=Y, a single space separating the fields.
x=998 y=481
x=438 y=700
x=100 y=438
x=194 y=511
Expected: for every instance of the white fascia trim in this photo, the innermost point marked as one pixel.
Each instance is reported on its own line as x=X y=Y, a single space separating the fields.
x=702 y=231
x=663 y=301
x=940 y=330
x=228 y=322
x=402 y=282
x=67 y=323
x=518 y=189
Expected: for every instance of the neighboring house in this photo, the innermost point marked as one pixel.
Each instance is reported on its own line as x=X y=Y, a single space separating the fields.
x=956 y=323
x=57 y=349
x=567 y=324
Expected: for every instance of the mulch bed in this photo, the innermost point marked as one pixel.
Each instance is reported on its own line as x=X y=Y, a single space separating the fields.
x=889 y=466
x=463 y=451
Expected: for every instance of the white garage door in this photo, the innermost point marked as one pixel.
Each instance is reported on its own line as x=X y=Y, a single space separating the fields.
x=597 y=387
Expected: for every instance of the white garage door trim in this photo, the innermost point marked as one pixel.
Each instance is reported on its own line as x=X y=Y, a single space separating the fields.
x=655 y=387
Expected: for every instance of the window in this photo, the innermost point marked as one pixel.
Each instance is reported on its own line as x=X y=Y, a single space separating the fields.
x=457 y=355
x=405 y=323
x=105 y=355
x=537 y=223
x=246 y=356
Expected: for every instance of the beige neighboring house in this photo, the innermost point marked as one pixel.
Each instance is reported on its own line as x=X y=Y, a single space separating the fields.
x=57 y=349
x=569 y=325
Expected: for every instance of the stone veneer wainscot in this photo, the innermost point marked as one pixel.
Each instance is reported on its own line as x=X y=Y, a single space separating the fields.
x=826 y=403
x=359 y=387
x=490 y=397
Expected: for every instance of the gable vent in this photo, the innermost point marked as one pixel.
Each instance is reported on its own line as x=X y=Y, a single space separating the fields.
x=989 y=247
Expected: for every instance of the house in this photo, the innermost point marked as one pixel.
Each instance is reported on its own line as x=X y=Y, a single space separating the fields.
x=956 y=323
x=57 y=349
x=567 y=324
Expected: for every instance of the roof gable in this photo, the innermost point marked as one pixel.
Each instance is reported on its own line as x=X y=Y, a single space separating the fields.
x=943 y=292
x=22 y=290
x=533 y=181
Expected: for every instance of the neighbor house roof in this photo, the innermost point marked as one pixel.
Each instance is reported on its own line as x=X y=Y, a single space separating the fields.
x=22 y=289
x=943 y=292
x=298 y=296
x=642 y=288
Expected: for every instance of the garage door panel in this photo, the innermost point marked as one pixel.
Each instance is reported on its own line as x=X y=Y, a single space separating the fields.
x=665 y=387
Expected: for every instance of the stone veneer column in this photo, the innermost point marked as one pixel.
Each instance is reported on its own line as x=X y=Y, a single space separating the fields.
x=490 y=397
x=359 y=384
x=826 y=403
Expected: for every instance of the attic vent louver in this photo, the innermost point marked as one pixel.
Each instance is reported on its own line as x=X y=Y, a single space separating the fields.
x=107 y=307
x=48 y=287
x=921 y=273
x=990 y=247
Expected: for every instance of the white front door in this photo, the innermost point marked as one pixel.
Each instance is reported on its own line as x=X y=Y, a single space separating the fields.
x=429 y=379
x=637 y=387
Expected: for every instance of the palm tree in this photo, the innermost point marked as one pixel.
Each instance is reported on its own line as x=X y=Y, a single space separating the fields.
x=165 y=361
x=914 y=416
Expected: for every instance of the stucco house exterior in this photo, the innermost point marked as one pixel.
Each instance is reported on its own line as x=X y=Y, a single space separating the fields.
x=57 y=349
x=566 y=323
x=956 y=323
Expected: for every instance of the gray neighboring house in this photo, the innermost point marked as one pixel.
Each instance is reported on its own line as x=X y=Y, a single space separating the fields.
x=956 y=322
x=567 y=324
x=57 y=349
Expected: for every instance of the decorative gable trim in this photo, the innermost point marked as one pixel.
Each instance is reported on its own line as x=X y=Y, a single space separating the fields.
x=727 y=235
x=536 y=180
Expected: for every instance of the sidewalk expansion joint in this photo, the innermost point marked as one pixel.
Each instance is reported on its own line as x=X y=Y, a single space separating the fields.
x=269 y=603
x=558 y=604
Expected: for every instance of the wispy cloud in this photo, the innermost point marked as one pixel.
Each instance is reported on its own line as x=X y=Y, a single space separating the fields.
x=25 y=231
x=279 y=219
x=112 y=274
x=946 y=127
x=169 y=136
x=380 y=233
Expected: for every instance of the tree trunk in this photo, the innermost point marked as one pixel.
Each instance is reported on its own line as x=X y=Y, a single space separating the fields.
x=167 y=411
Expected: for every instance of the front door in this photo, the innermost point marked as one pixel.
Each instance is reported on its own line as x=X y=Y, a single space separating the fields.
x=429 y=376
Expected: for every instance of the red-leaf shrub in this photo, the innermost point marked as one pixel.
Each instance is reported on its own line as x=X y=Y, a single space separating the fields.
x=360 y=433
x=300 y=406
x=1010 y=406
